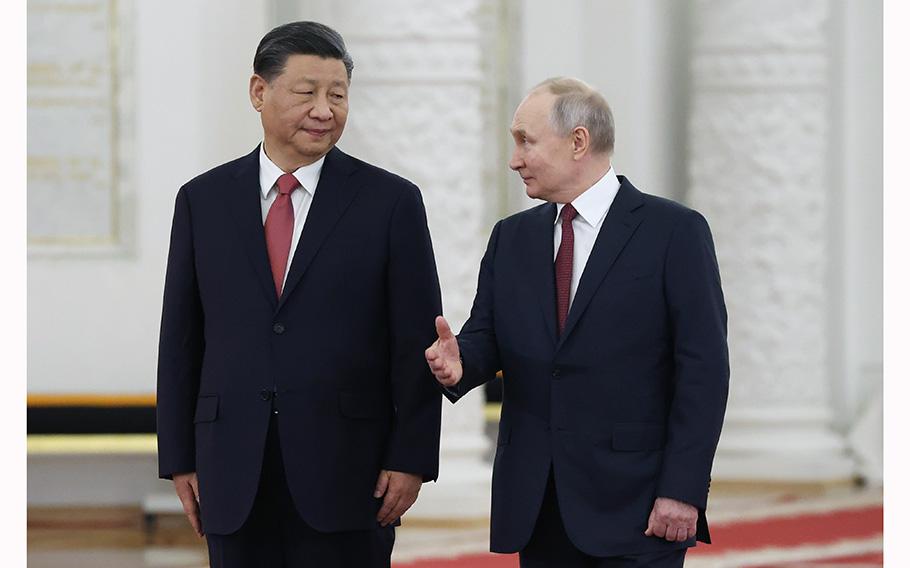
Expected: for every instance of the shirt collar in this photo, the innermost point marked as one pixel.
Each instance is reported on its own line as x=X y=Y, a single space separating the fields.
x=308 y=176
x=593 y=203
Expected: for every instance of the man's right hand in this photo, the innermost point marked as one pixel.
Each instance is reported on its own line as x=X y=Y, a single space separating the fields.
x=443 y=356
x=187 y=488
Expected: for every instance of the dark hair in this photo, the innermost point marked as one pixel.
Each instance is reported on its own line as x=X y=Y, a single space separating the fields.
x=298 y=38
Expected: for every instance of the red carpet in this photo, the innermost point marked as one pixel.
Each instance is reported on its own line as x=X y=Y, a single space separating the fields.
x=818 y=528
x=846 y=537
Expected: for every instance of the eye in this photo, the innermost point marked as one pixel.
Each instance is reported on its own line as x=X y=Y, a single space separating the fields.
x=337 y=96
x=302 y=92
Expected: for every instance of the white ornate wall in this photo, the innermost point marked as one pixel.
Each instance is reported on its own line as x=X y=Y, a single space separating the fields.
x=782 y=153
x=761 y=170
x=417 y=109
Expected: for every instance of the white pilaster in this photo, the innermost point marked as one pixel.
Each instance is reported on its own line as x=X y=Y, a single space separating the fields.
x=760 y=163
x=417 y=110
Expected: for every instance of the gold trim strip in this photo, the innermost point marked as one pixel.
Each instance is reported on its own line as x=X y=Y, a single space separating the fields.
x=491 y=411
x=61 y=444
x=100 y=400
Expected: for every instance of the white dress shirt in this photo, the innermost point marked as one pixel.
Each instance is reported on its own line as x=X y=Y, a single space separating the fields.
x=592 y=206
x=301 y=198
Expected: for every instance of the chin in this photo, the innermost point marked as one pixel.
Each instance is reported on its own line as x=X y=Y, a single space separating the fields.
x=315 y=151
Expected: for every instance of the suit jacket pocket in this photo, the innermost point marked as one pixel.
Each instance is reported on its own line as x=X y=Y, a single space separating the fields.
x=206 y=408
x=638 y=436
x=361 y=406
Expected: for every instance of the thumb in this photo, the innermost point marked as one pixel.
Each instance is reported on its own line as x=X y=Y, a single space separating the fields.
x=442 y=329
x=650 y=530
x=382 y=484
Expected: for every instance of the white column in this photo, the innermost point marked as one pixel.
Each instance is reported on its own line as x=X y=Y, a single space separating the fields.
x=761 y=170
x=417 y=110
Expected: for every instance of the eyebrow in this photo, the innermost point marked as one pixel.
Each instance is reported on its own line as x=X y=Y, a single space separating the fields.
x=518 y=131
x=336 y=83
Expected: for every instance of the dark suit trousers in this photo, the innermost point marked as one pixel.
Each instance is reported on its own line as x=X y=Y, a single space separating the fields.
x=275 y=536
x=550 y=546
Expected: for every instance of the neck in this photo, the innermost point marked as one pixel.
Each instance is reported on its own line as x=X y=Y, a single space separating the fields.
x=586 y=178
x=288 y=164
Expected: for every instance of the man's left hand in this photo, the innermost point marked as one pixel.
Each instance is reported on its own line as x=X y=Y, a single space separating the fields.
x=400 y=490
x=672 y=520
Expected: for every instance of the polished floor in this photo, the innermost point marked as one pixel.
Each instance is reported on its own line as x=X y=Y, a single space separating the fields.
x=756 y=529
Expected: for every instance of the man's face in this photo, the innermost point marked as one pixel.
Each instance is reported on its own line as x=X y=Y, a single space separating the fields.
x=541 y=157
x=304 y=109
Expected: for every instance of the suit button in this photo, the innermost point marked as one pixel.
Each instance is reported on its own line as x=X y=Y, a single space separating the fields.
x=556 y=372
x=265 y=394
x=278 y=328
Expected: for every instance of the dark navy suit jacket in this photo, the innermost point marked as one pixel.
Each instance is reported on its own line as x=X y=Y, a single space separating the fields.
x=340 y=353
x=627 y=404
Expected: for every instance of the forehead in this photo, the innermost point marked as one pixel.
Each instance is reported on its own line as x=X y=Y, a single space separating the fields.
x=314 y=69
x=534 y=112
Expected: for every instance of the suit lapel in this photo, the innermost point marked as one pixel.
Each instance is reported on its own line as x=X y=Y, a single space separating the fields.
x=333 y=195
x=243 y=200
x=622 y=220
x=539 y=262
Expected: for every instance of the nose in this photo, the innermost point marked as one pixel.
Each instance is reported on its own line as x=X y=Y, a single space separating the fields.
x=321 y=110
x=515 y=162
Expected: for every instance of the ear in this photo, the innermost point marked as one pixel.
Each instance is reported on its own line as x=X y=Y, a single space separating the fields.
x=581 y=142
x=258 y=86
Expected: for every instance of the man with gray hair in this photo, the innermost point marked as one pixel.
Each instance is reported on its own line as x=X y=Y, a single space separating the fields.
x=603 y=308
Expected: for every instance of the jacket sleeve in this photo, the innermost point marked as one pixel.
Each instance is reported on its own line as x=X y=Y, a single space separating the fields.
x=414 y=301
x=698 y=320
x=477 y=339
x=180 y=349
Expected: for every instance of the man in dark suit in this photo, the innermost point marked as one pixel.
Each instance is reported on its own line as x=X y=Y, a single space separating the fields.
x=296 y=415
x=603 y=309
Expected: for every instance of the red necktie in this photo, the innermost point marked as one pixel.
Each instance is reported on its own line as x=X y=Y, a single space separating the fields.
x=564 y=265
x=279 y=228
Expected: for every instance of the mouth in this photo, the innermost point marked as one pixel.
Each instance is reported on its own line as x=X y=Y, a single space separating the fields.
x=527 y=180
x=317 y=132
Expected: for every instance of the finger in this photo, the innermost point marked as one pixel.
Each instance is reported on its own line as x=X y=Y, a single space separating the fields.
x=442 y=329
x=196 y=524
x=194 y=484
x=391 y=497
x=191 y=509
x=401 y=508
x=650 y=530
x=195 y=519
x=385 y=515
x=660 y=530
x=679 y=535
x=381 y=484
x=690 y=533
x=185 y=494
x=431 y=354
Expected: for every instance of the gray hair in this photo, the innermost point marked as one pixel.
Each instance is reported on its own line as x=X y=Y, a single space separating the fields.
x=578 y=104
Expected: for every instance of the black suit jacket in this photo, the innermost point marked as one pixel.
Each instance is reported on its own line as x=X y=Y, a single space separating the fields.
x=340 y=353
x=627 y=404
